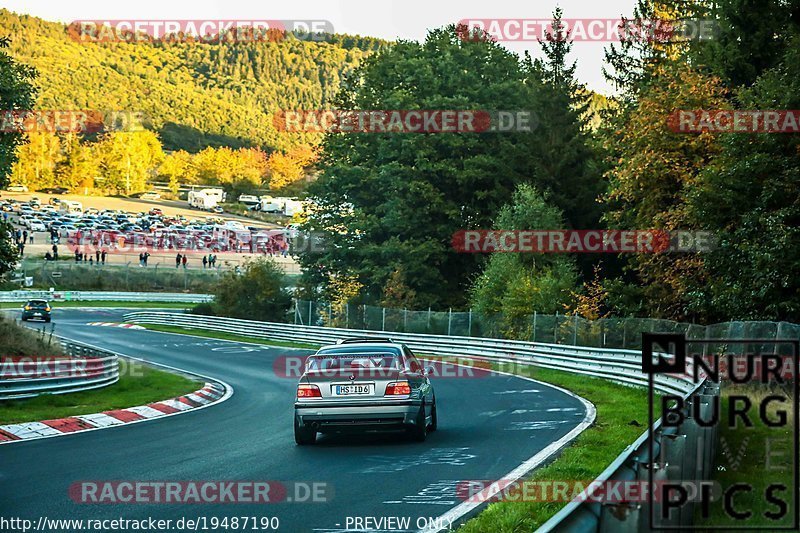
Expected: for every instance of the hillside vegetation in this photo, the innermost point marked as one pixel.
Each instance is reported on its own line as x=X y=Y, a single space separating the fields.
x=195 y=94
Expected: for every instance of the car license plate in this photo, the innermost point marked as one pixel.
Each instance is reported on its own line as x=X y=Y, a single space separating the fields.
x=352 y=390
x=37 y=314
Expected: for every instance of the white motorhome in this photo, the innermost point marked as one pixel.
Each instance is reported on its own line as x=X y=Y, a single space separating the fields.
x=271 y=205
x=70 y=207
x=206 y=199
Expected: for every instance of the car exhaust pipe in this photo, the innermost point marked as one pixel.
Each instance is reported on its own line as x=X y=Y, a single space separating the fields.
x=314 y=425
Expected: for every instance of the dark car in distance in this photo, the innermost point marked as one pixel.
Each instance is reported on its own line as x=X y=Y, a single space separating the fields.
x=36 y=309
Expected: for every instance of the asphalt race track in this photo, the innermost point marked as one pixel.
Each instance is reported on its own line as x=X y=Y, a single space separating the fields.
x=487 y=427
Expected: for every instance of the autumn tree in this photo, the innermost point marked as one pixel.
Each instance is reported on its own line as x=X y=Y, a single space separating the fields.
x=655 y=171
x=128 y=160
x=17 y=92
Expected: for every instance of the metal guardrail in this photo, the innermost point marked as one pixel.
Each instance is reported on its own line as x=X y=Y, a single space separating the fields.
x=683 y=453
x=107 y=296
x=84 y=368
x=621 y=366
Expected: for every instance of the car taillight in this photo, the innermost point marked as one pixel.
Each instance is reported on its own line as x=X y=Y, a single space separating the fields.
x=47 y=308
x=27 y=307
x=308 y=391
x=398 y=388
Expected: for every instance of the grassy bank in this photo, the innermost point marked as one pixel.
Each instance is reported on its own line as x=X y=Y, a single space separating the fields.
x=621 y=418
x=759 y=456
x=139 y=384
x=142 y=385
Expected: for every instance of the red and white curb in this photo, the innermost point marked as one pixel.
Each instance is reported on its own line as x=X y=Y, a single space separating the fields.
x=115 y=325
x=209 y=394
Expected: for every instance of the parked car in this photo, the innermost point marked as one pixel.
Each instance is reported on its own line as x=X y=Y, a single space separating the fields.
x=151 y=195
x=36 y=309
x=37 y=225
x=17 y=188
x=364 y=385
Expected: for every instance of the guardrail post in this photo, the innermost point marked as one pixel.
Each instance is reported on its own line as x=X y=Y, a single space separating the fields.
x=533 y=337
x=706 y=435
x=383 y=319
x=347 y=315
x=673 y=448
x=469 y=327
x=405 y=319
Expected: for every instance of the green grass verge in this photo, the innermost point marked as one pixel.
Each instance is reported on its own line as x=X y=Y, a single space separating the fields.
x=140 y=385
x=621 y=419
x=228 y=336
x=759 y=456
x=74 y=303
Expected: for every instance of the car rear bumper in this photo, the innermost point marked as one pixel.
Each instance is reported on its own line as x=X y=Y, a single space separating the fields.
x=29 y=315
x=373 y=416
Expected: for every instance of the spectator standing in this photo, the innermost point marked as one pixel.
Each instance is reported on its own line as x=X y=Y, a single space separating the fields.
x=25 y=236
x=146 y=256
x=103 y=257
x=177 y=260
x=97 y=256
x=205 y=262
x=183 y=260
x=141 y=259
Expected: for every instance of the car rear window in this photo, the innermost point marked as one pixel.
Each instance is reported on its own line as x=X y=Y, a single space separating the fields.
x=37 y=303
x=333 y=361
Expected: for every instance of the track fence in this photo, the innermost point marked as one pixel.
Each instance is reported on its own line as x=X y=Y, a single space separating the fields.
x=625 y=333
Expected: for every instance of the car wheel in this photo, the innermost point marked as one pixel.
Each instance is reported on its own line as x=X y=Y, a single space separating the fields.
x=47 y=319
x=434 y=417
x=304 y=435
x=419 y=431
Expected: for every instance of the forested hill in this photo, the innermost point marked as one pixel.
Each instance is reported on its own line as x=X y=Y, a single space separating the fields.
x=197 y=94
